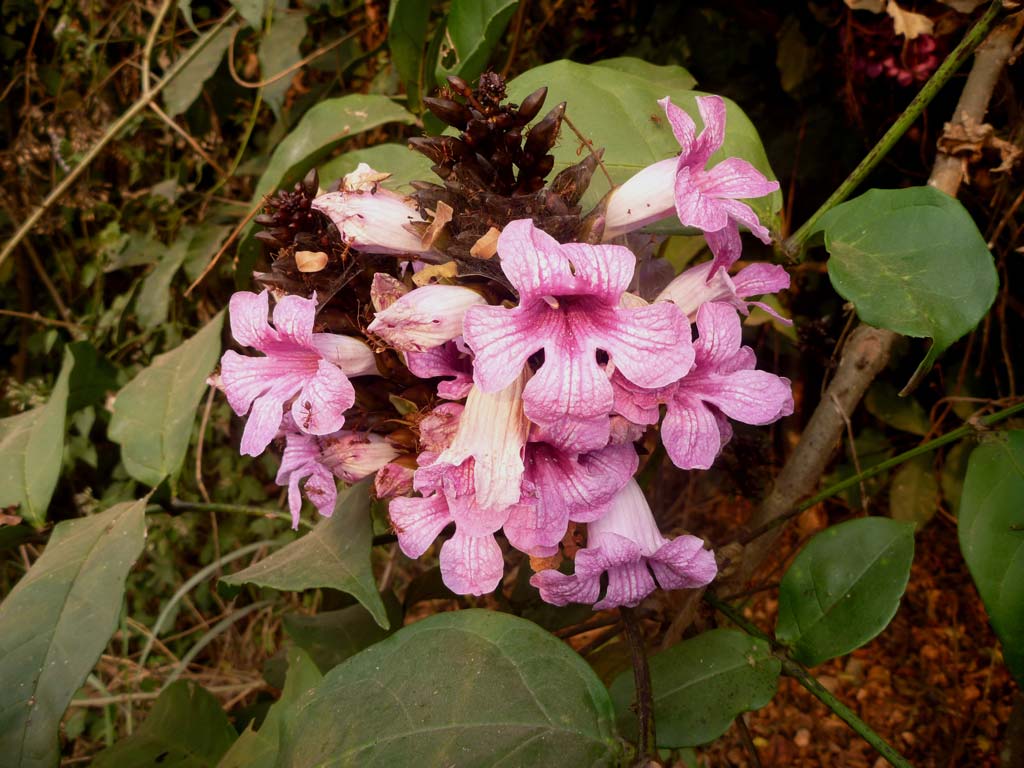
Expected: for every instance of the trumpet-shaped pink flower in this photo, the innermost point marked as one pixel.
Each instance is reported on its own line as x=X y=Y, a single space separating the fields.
x=569 y=307
x=625 y=544
x=698 y=285
x=425 y=318
x=373 y=219
x=563 y=487
x=312 y=368
x=723 y=384
x=705 y=198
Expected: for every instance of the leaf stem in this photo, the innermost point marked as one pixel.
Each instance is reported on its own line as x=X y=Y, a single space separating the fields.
x=793 y=245
x=811 y=684
x=647 y=743
x=111 y=133
x=884 y=466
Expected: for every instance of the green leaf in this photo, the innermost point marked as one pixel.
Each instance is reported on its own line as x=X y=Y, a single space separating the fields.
x=279 y=49
x=844 y=587
x=320 y=130
x=670 y=77
x=914 y=494
x=203 y=244
x=251 y=11
x=333 y=636
x=474 y=27
x=991 y=525
x=954 y=471
x=185 y=729
x=154 y=297
x=616 y=106
x=912 y=261
x=700 y=685
x=56 y=622
x=468 y=688
x=402 y=163
x=407 y=33
x=335 y=555
x=184 y=89
x=904 y=413
x=154 y=412
x=258 y=749
x=30 y=451
x=91 y=378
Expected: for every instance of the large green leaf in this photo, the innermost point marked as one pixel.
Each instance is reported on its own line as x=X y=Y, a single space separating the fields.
x=469 y=688
x=335 y=555
x=844 y=587
x=153 y=300
x=333 y=636
x=614 y=104
x=279 y=49
x=992 y=537
x=55 y=623
x=407 y=35
x=30 y=451
x=184 y=89
x=700 y=685
x=912 y=261
x=258 y=749
x=154 y=412
x=320 y=130
x=474 y=27
x=402 y=163
x=185 y=729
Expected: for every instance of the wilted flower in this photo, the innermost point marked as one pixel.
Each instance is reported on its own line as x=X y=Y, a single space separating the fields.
x=425 y=318
x=723 y=384
x=569 y=307
x=626 y=544
x=311 y=367
x=371 y=218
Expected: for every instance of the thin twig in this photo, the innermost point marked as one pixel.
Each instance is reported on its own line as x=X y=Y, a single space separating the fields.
x=147 y=51
x=748 y=742
x=187 y=137
x=36 y=317
x=589 y=144
x=647 y=742
x=111 y=133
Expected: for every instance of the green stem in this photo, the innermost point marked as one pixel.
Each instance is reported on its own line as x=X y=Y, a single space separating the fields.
x=808 y=681
x=793 y=246
x=884 y=466
x=111 y=133
x=238 y=509
x=647 y=742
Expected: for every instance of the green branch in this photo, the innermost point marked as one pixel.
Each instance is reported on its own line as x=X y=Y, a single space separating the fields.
x=793 y=245
x=809 y=682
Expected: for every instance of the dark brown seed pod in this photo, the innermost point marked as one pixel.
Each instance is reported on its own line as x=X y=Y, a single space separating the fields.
x=450 y=112
x=531 y=105
x=543 y=135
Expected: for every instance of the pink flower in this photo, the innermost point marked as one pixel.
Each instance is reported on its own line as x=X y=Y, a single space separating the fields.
x=625 y=544
x=425 y=318
x=312 y=368
x=569 y=307
x=473 y=483
x=373 y=219
x=393 y=480
x=448 y=362
x=723 y=384
x=351 y=456
x=563 y=487
x=697 y=286
x=708 y=199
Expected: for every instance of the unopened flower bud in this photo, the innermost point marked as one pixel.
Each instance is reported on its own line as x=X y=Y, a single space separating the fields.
x=385 y=291
x=425 y=318
x=393 y=479
x=354 y=455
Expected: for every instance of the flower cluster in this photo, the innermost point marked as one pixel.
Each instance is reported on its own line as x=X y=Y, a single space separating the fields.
x=524 y=380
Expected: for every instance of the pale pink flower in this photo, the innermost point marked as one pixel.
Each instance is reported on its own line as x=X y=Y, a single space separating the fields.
x=385 y=290
x=625 y=544
x=722 y=385
x=351 y=456
x=569 y=307
x=561 y=487
x=425 y=318
x=312 y=368
x=373 y=219
x=393 y=480
x=697 y=286
x=450 y=362
x=704 y=198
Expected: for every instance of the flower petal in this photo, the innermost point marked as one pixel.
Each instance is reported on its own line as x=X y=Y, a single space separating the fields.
x=262 y=425
x=726 y=246
x=248 y=313
x=471 y=565
x=690 y=433
x=744 y=214
x=293 y=318
x=502 y=341
x=759 y=279
x=352 y=356
x=753 y=397
x=628 y=585
x=418 y=521
x=712 y=112
x=558 y=589
x=651 y=346
x=683 y=563
x=735 y=178
x=694 y=208
x=320 y=407
x=322 y=492
x=720 y=336
x=683 y=127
